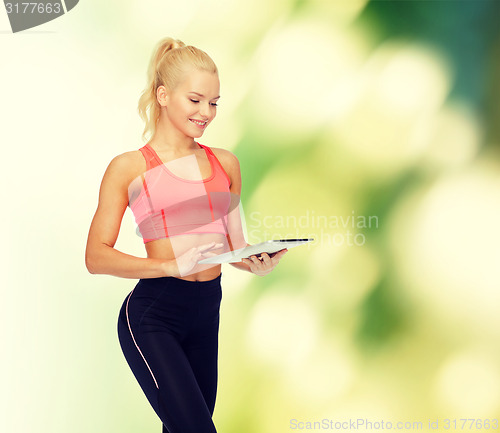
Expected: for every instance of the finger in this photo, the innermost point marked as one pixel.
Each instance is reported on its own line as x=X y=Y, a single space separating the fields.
x=216 y=246
x=256 y=260
x=191 y=251
x=210 y=246
x=277 y=252
x=249 y=263
x=205 y=246
x=266 y=259
x=280 y=254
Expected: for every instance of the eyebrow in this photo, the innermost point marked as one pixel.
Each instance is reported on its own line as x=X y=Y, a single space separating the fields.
x=199 y=94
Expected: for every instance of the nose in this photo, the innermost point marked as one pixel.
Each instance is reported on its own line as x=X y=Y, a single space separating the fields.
x=205 y=110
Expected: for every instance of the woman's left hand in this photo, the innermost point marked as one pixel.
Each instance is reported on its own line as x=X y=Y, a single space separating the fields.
x=264 y=264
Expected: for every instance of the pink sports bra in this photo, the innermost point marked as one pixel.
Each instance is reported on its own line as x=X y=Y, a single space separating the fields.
x=166 y=205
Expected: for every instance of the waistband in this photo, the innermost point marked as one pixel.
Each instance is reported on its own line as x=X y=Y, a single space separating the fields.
x=183 y=287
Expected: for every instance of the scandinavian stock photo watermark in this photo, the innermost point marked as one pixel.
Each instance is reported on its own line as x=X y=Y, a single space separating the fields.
x=366 y=424
x=335 y=230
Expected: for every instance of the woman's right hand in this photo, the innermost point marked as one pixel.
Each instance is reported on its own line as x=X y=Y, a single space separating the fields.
x=187 y=261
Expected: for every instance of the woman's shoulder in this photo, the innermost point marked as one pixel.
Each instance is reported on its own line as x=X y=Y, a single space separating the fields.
x=226 y=157
x=127 y=165
x=128 y=157
x=229 y=163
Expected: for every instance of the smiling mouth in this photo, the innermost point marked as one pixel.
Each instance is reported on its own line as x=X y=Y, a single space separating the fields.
x=198 y=122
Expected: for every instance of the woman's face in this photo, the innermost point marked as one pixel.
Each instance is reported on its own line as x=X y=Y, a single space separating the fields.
x=192 y=105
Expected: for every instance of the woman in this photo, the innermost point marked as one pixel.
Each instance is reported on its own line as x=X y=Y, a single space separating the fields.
x=184 y=197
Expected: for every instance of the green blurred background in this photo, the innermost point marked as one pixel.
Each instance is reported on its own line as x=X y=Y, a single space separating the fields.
x=371 y=126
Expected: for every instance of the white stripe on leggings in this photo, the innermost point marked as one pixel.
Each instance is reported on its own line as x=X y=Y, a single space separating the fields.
x=132 y=334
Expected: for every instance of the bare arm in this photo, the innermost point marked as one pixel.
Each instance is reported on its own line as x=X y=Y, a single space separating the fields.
x=236 y=238
x=100 y=255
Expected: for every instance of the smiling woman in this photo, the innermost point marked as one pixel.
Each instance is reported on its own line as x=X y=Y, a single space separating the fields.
x=182 y=104
x=177 y=67
x=184 y=197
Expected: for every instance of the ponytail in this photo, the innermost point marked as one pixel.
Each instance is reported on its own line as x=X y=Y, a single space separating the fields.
x=170 y=60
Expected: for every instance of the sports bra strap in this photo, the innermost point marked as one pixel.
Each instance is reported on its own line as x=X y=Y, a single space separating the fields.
x=150 y=157
x=217 y=162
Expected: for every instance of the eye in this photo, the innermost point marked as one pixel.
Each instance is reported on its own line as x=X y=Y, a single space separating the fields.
x=195 y=101
x=214 y=104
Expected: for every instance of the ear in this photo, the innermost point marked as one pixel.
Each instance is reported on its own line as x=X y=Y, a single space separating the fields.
x=162 y=95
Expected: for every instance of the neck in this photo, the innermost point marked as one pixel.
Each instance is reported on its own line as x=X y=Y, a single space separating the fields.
x=168 y=138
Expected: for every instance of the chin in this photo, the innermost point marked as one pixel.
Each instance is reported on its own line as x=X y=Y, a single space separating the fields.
x=196 y=135
x=199 y=134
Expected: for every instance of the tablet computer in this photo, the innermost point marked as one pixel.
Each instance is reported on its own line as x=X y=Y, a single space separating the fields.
x=268 y=247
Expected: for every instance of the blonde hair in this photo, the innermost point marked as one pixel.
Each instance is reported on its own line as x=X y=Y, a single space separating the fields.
x=170 y=61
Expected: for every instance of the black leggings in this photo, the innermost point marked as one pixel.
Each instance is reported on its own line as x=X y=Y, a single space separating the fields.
x=168 y=331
